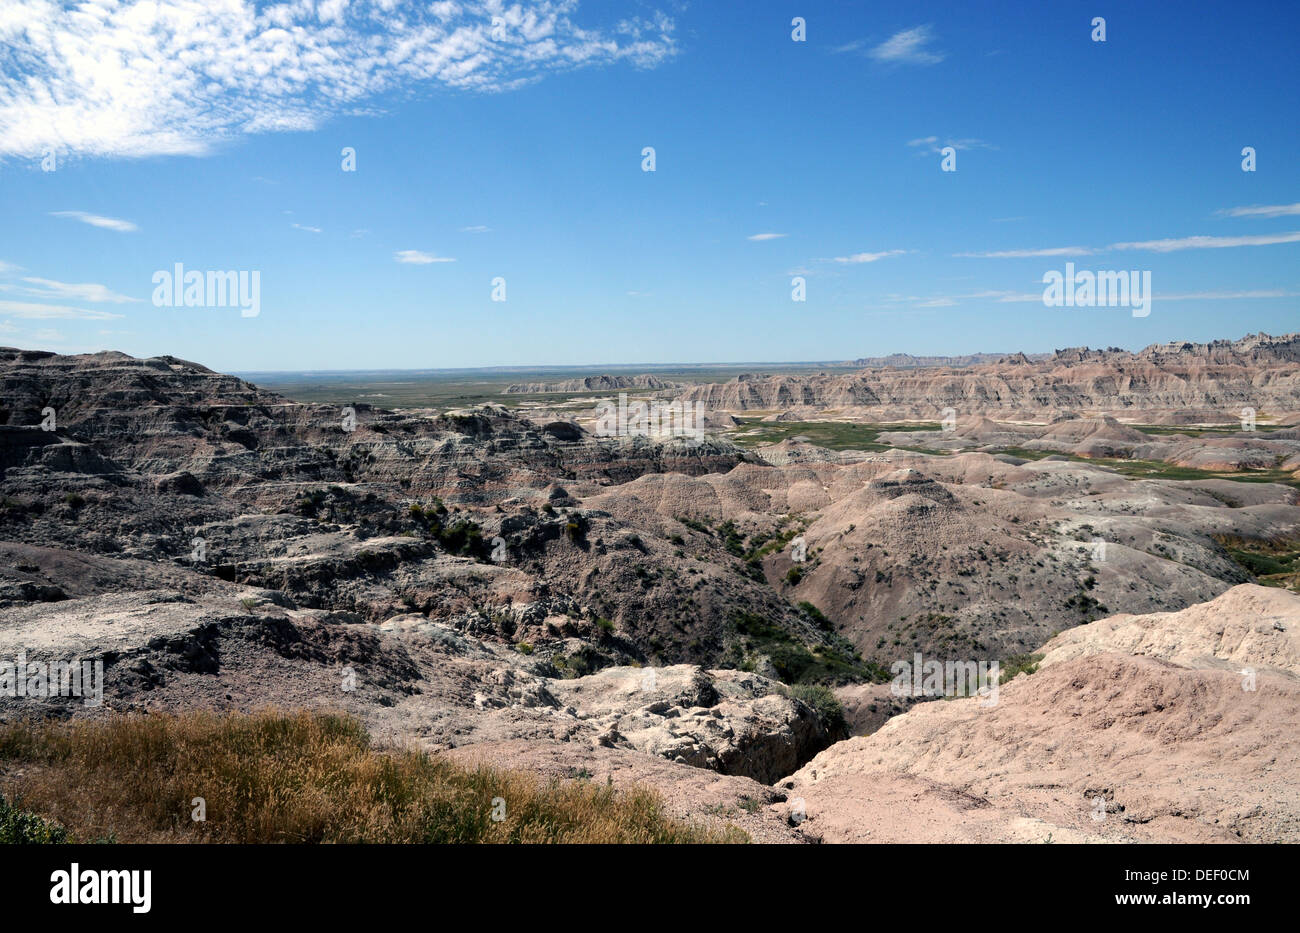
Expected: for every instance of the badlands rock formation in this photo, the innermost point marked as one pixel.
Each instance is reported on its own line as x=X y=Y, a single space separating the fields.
x=1141 y=729
x=632 y=609
x=1168 y=383
x=1104 y=437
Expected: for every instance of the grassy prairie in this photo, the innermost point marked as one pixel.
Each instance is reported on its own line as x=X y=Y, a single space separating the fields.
x=462 y=388
x=1213 y=429
x=1158 y=469
x=1272 y=562
x=833 y=435
x=294 y=777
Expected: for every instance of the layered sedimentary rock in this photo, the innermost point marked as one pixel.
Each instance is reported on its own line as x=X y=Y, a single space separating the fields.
x=1206 y=382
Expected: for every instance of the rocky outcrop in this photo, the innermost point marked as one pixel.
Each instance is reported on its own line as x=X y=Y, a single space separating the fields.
x=728 y=721
x=1218 y=379
x=1098 y=745
x=1249 y=626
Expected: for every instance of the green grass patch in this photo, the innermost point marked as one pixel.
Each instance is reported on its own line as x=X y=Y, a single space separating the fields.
x=1015 y=664
x=1157 y=469
x=1273 y=562
x=833 y=435
x=797 y=663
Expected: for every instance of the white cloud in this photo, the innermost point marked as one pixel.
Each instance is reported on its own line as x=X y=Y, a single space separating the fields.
x=869 y=257
x=85 y=291
x=1268 y=210
x=418 y=258
x=95 y=220
x=907 y=47
x=1232 y=296
x=304 y=227
x=1009 y=297
x=48 y=312
x=1209 y=242
x=767 y=236
x=1156 y=246
x=479 y=228
x=135 y=78
x=930 y=144
x=1029 y=253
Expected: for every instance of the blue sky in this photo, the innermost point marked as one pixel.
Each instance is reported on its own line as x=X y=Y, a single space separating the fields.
x=181 y=135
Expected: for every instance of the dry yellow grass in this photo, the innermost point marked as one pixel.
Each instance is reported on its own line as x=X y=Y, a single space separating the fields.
x=301 y=777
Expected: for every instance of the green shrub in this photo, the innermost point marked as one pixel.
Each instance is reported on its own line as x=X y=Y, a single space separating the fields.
x=824 y=703
x=816 y=615
x=1018 y=664
x=18 y=827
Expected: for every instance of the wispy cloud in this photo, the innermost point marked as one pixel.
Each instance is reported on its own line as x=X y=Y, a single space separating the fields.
x=931 y=144
x=1153 y=246
x=767 y=236
x=1232 y=296
x=306 y=228
x=66 y=291
x=48 y=312
x=1269 y=210
x=1029 y=253
x=869 y=257
x=1209 y=242
x=908 y=47
x=95 y=220
x=478 y=228
x=1002 y=296
x=132 y=79
x=416 y=257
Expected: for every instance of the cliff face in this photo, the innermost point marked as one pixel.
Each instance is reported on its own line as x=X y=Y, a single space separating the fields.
x=1258 y=371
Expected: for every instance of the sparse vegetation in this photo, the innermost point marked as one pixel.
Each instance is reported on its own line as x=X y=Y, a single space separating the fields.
x=824 y=702
x=1274 y=562
x=795 y=662
x=816 y=615
x=833 y=435
x=23 y=827
x=1018 y=664
x=301 y=777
